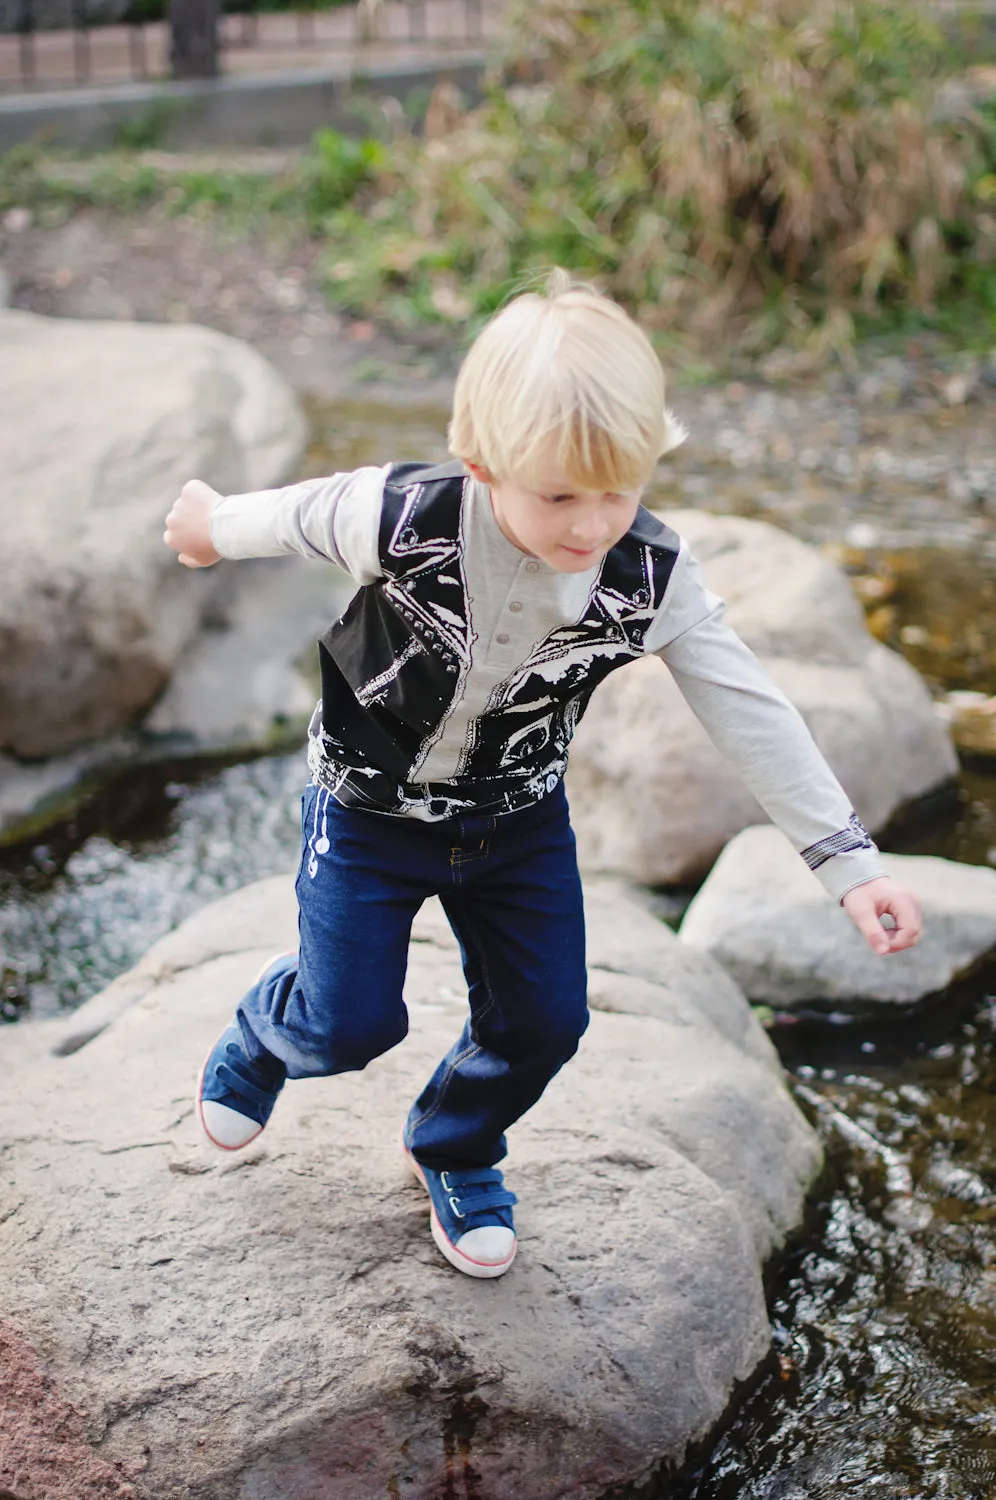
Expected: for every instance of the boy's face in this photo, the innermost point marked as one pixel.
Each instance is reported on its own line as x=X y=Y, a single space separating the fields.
x=569 y=529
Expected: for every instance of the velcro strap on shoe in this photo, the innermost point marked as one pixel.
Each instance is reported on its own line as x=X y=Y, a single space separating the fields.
x=239 y=1084
x=477 y=1190
x=490 y=1198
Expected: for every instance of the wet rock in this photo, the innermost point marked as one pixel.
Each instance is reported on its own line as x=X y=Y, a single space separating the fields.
x=99 y=425
x=280 y=1323
x=650 y=795
x=766 y=919
x=34 y=796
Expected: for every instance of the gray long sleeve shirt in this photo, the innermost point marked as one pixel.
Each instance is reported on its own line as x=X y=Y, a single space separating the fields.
x=515 y=605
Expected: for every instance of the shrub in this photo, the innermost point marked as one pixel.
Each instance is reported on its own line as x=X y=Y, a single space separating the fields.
x=728 y=168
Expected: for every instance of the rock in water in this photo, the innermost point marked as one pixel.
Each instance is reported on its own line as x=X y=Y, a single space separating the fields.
x=765 y=917
x=280 y=1324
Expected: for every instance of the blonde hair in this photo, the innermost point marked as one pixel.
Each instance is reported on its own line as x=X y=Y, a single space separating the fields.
x=563 y=376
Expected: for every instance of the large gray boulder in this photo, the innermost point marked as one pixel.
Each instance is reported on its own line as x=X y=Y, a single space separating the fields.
x=279 y=1323
x=652 y=798
x=765 y=917
x=100 y=424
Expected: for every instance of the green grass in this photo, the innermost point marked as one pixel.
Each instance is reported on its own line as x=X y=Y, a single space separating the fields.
x=304 y=195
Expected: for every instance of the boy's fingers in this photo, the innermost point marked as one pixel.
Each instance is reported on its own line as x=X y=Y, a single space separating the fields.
x=905 y=912
x=888 y=919
x=871 y=929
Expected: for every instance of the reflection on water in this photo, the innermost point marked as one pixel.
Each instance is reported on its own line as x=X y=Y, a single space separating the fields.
x=961 y=827
x=882 y=1379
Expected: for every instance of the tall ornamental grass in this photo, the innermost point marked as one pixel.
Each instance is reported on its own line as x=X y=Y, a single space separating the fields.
x=737 y=172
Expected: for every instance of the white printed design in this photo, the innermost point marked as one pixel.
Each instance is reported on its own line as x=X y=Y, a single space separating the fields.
x=435 y=602
x=534 y=712
x=375 y=689
x=318 y=843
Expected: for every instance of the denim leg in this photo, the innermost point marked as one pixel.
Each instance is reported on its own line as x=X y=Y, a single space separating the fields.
x=338 y=1005
x=516 y=908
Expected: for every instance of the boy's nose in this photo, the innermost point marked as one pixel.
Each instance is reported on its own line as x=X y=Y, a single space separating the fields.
x=590 y=530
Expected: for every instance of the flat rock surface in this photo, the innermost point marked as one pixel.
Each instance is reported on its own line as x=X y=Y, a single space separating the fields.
x=279 y=1324
x=765 y=918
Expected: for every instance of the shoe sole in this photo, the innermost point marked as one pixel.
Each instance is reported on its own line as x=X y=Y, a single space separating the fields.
x=482 y=1269
x=198 y=1101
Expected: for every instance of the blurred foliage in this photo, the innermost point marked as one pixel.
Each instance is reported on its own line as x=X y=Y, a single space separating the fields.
x=303 y=196
x=747 y=176
x=742 y=172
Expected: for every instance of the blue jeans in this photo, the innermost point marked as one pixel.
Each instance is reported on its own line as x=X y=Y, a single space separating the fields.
x=510 y=888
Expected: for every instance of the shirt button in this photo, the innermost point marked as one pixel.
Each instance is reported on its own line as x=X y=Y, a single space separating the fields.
x=502 y=639
x=515 y=606
x=532 y=567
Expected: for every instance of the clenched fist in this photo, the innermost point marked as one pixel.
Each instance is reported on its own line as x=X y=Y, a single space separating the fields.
x=867 y=904
x=188 y=525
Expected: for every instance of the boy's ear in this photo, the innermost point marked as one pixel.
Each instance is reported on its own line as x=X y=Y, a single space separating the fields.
x=483 y=476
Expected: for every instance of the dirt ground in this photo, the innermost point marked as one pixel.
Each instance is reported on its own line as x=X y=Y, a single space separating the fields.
x=150 y=266
x=154 y=268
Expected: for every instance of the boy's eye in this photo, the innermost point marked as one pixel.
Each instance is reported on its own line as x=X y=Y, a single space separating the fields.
x=558 y=499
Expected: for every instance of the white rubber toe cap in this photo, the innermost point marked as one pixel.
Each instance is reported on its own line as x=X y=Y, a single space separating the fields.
x=484 y=1252
x=491 y=1246
x=228 y=1129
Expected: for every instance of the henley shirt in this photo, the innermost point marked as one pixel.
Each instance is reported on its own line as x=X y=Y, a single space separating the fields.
x=515 y=602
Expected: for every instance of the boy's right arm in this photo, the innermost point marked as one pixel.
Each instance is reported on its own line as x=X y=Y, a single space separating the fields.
x=336 y=519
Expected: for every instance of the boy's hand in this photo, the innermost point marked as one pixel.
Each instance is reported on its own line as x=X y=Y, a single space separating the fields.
x=188 y=525
x=867 y=903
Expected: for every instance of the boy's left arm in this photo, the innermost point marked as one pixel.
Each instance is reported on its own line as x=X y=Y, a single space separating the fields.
x=753 y=724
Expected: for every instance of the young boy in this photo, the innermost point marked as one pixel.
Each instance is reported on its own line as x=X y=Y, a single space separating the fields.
x=494 y=595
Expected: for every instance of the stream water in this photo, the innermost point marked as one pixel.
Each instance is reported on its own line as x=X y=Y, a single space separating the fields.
x=882 y=1377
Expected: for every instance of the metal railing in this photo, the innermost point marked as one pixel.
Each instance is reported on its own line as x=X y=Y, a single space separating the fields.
x=71 y=43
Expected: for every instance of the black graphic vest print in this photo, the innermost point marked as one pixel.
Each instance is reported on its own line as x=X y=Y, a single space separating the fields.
x=394 y=667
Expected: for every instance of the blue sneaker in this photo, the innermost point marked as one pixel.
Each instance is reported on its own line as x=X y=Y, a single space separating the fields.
x=470 y=1216
x=235 y=1093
